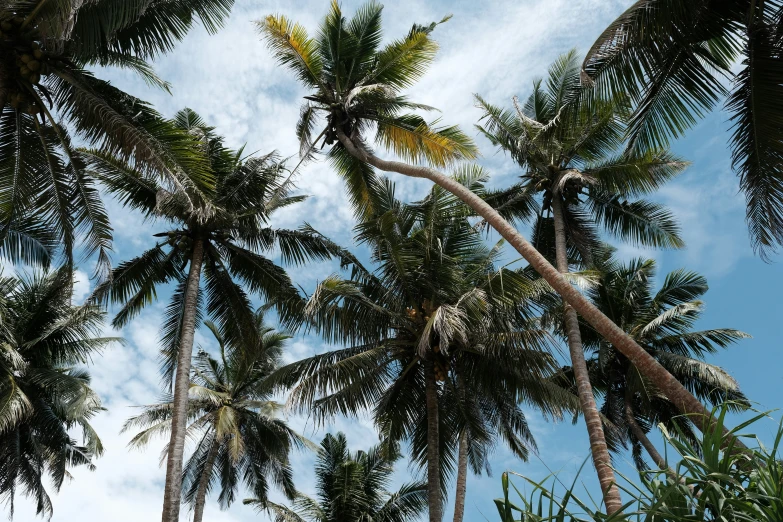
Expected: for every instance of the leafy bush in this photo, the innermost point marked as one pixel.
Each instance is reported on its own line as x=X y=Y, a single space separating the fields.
x=713 y=481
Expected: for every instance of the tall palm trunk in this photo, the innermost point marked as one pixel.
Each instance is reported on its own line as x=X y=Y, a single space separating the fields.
x=173 y=489
x=643 y=361
x=462 y=477
x=595 y=430
x=434 y=498
x=203 y=483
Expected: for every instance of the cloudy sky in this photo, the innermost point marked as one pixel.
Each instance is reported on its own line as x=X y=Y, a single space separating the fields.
x=492 y=48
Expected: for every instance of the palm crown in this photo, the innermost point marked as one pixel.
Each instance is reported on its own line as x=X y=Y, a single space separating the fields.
x=44 y=395
x=46 y=46
x=663 y=323
x=569 y=143
x=436 y=309
x=674 y=58
x=232 y=222
x=356 y=89
x=352 y=487
x=233 y=418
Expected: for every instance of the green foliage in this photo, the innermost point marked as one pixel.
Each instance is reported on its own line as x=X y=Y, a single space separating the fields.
x=47 y=202
x=44 y=394
x=355 y=91
x=436 y=294
x=223 y=200
x=569 y=142
x=713 y=480
x=352 y=487
x=231 y=413
x=662 y=322
x=674 y=59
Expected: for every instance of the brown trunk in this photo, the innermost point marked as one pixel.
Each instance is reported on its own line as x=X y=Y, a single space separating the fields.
x=595 y=430
x=643 y=361
x=201 y=494
x=173 y=489
x=462 y=477
x=646 y=443
x=434 y=498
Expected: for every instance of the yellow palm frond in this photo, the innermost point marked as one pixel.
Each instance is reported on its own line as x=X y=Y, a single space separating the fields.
x=413 y=139
x=292 y=47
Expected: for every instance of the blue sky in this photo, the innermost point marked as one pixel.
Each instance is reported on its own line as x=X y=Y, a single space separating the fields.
x=495 y=49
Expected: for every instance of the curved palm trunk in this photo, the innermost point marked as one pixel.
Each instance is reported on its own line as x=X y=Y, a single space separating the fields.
x=462 y=477
x=433 y=444
x=173 y=488
x=203 y=483
x=595 y=430
x=643 y=361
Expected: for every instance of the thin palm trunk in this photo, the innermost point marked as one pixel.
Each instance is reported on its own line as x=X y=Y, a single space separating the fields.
x=433 y=444
x=595 y=430
x=173 y=488
x=646 y=443
x=462 y=477
x=643 y=361
x=203 y=483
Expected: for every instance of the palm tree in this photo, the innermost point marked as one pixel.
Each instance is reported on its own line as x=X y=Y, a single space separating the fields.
x=663 y=323
x=46 y=49
x=358 y=89
x=234 y=419
x=352 y=487
x=224 y=233
x=434 y=314
x=570 y=147
x=44 y=394
x=675 y=58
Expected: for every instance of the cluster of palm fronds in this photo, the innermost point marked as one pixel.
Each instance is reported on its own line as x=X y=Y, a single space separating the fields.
x=442 y=344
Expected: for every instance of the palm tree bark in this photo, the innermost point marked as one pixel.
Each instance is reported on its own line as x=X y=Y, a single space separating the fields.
x=462 y=477
x=203 y=483
x=643 y=361
x=598 y=448
x=173 y=489
x=434 y=498
x=638 y=432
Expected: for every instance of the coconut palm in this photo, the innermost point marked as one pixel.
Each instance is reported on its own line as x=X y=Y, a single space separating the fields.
x=352 y=487
x=569 y=145
x=436 y=312
x=679 y=60
x=357 y=87
x=46 y=89
x=45 y=394
x=663 y=323
x=234 y=419
x=224 y=234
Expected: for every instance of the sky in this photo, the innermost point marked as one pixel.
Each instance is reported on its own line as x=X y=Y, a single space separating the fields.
x=495 y=49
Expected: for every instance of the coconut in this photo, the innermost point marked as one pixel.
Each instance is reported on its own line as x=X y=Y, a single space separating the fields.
x=33 y=65
x=6 y=26
x=38 y=54
x=26 y=58
x=35 y=78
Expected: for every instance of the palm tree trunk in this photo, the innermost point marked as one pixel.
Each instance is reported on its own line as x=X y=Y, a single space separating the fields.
x=646 y=443
x=595 y=430
x=643 y=361
x=462 y=477
x=433 y=444
x=201 y=494
x=173 y=488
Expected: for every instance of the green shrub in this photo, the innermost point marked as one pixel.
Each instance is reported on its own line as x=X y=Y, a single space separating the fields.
x=712 y=481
